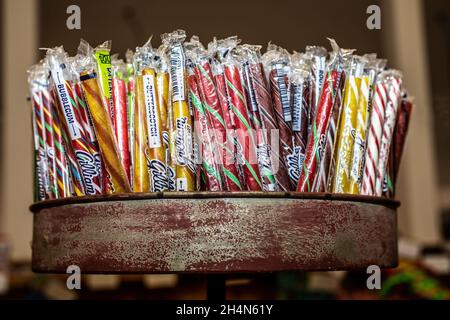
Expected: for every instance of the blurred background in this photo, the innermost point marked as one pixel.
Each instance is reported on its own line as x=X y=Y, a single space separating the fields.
x=414 y=37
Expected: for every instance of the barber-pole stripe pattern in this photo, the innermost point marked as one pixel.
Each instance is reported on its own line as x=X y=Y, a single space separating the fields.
x=62 y=167
x=43 y=190
x=214 y=115
x=388 y=129
x=269 y=125
x=285 y=132
x=237 y=101
x=374 y=138
x=105 y=136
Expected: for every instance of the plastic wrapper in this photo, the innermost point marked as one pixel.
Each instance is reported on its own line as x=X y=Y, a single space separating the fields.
x=300 y=78
x=163 y=84
x=182 y=119
x=104 y=74
x=397 y=145
x=37 y=80
x=204 y=137
x=141 y=182
x=365 y=103
x=86 y=153
x=156 y=151
x=245 y=134
x=114 y=176
x=276 y=65
x=119 y=98
x=219 y=116
x=394 y=82
x=347 y=126
x=318 y=56
x=129 y=80
x=317 y=139
x=253 y=78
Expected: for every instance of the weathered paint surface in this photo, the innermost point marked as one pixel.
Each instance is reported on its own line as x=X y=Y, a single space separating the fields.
x=214 y=233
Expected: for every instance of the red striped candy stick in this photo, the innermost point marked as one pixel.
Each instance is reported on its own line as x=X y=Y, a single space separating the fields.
x=263 y=148
x=328 y=164
x=245 y=134
x=374 y=135
x=216 y=121
x=42 y=190
x=231 y=162
x=205 y=139
x=394 y=96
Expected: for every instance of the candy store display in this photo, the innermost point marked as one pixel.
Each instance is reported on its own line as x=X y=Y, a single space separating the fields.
x=225 y=116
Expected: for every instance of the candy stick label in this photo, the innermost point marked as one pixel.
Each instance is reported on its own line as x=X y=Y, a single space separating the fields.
x=177 y=70
x=320 y=76
x=183 y=141
x=297 y=107
x=295 y=163
x=64 y=99
x=89 y=165
x=158 y=175
x=281 y=74
x=153 y=124
x=104 y=62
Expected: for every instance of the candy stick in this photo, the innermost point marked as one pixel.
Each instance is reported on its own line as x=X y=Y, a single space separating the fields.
x=62 y=166
x=42 y=186
x=104 y=72
x=397 y=145
x=269 y=124
x=119 y=99
x=47 y=104
x=182 y=120
x=130 y=107
x=162 y=79
x=300 y=86
x=141 y=182
x=105 y=134
x=87 y=156
x=205 y=139
x=359 y=145
x=327 y=167
x=216 y=121
x=156 y=151
x=394 y=86
x=245 y=135
x=75 y=175
x=347 y=126
x=317 y=139
x=375 y=131
x=231 y=163
x=263 y=149
x=276 y=65
x=145 y=61
x=318 y=57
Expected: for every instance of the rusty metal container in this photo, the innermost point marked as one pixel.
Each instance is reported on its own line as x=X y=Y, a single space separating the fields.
x=214 y=232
